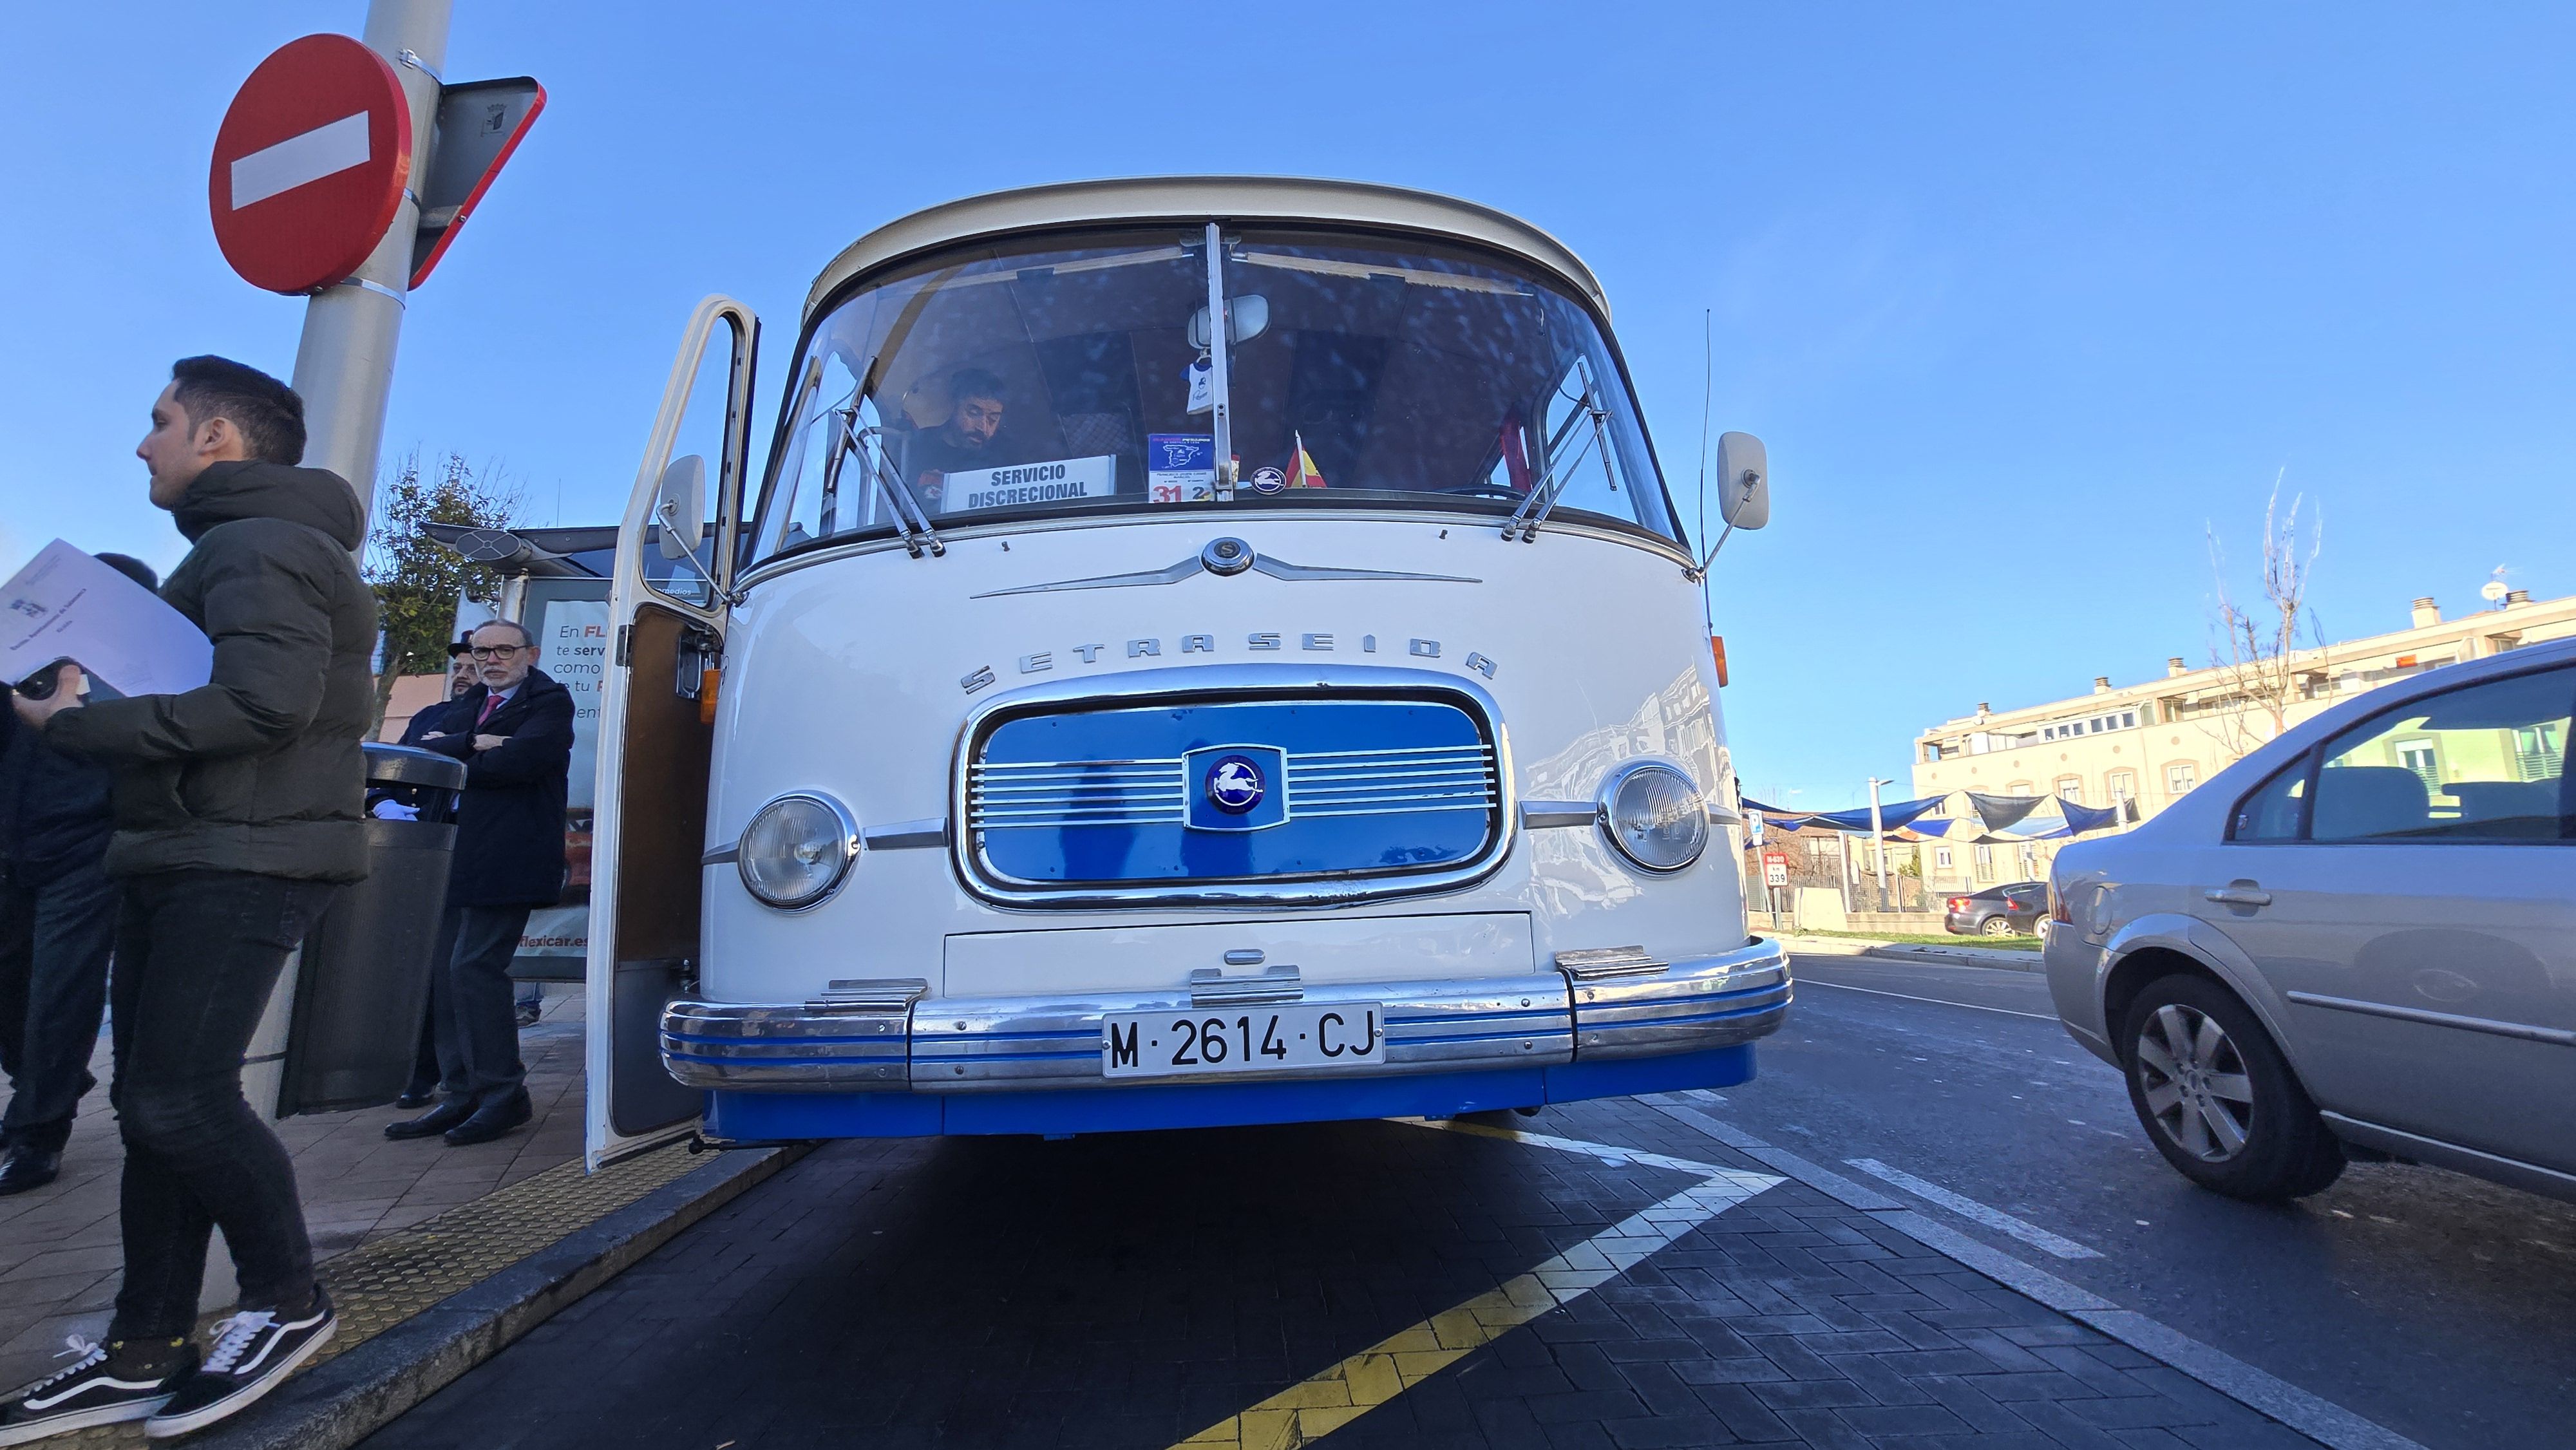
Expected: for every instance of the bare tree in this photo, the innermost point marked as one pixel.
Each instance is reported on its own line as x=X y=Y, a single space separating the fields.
x=417 y=580
x=2254 y=648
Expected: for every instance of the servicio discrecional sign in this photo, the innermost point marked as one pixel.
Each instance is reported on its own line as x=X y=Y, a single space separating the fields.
x=310 y=164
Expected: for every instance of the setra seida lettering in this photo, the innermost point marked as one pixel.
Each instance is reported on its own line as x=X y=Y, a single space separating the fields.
x=1269 y=641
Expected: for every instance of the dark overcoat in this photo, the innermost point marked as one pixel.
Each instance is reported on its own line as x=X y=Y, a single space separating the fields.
x=510 y=823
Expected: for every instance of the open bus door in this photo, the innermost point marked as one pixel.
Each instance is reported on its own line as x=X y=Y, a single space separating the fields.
x=667 y=601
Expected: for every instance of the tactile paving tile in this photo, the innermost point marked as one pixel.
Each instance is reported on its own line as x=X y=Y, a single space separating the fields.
x=380 y=1284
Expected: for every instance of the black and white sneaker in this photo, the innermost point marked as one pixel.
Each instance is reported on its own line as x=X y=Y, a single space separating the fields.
x=253 y=1351
x=89 y=1393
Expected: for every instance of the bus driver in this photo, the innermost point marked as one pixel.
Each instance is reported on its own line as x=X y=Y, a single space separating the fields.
x=965 y=441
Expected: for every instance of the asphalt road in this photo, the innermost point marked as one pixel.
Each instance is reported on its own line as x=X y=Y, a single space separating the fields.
x=2439 y=1306
x=1140 y=1290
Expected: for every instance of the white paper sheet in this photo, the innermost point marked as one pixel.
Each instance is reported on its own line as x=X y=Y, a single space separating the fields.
x=67 y=605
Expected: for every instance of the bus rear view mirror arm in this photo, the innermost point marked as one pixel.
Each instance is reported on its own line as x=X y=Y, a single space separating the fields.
x=1744 y=489
x=679 y=501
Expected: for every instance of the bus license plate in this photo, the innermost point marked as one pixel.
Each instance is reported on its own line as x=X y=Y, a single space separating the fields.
x=1245 y=1041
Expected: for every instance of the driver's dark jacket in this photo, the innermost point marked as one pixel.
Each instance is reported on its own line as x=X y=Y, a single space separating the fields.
x=933 y=451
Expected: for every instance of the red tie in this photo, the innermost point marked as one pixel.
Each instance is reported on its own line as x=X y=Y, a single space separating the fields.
x=490 y=704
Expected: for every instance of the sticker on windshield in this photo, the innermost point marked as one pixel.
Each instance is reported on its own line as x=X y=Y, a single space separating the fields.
x=1268 y=480
x=1180 y=467
x=1062 y=480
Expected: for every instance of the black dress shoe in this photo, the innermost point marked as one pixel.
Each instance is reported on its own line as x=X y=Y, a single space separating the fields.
x=493 y=1119
x=416 y=1098
x=437 y=1120
x=26 y=1167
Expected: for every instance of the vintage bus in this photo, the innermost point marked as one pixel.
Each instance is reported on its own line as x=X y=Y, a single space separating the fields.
x=1193 y=652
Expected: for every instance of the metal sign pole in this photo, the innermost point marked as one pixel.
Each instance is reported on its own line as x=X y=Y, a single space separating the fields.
x=1878 y=838
x=344 y=367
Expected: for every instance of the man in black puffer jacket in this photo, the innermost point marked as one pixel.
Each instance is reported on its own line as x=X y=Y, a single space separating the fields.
x=514 y=733
x=238 y=812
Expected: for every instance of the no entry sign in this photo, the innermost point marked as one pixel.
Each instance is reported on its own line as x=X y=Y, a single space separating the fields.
x=310 y=164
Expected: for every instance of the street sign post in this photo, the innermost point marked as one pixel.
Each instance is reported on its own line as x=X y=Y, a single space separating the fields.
x=343 y=171
x=310 y=164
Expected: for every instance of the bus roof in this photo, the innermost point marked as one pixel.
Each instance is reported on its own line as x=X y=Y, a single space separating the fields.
x=1199 y=199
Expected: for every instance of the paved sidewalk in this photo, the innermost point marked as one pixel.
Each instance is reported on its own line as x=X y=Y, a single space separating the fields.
x=59 y=1256
x=1955 y=956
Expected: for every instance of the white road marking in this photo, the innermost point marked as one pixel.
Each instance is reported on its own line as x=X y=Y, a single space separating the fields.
x=300 y=160
x=1968 y=1208
x=2317 y=1418
x=1315 y=1407
x=1937 y=1001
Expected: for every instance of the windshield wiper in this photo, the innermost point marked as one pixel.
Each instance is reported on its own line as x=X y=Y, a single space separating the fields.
x=917 y=530
x=1544 y=497
x=850 y=440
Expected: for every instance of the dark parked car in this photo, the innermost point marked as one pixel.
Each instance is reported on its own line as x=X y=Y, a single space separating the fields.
x=2012 y=909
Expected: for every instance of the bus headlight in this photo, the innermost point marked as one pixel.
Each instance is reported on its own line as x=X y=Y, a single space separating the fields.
x=1654 y=815
x=796 y=849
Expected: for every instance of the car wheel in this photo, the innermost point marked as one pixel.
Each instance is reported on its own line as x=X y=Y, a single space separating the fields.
x=2217 y=1098
x=1997 y=926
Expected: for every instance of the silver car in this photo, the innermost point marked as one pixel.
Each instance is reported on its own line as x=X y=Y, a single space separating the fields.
x=2361 y=938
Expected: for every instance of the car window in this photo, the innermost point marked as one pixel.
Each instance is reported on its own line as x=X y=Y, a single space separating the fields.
x=2485 y=762
x=2270 y=812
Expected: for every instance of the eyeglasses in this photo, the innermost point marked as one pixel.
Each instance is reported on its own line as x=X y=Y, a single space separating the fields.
x=494 y=651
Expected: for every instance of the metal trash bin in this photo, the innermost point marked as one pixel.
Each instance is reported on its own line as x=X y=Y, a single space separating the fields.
x=363 y=986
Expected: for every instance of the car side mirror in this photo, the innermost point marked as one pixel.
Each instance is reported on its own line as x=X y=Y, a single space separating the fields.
x=680 y=505
x=1743 y=481
x=1246 y=317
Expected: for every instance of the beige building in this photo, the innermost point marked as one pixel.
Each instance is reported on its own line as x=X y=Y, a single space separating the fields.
x=2153 y=742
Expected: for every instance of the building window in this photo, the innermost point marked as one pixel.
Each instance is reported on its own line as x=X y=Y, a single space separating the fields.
x=2420 y=757
x=2540 y=752
x=2019 y=787
x=1985 y=863
x=1941 y=857
x=2122 y=785
x=2450 y=767
x=2180 y=777
x=2071 y=787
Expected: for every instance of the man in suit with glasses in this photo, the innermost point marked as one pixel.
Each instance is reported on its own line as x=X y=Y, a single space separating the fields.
x=513 y=730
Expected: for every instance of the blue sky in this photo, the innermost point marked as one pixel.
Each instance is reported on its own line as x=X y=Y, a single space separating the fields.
x=2023 y=298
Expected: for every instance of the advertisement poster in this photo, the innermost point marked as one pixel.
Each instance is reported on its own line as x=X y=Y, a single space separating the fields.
x=572 y=649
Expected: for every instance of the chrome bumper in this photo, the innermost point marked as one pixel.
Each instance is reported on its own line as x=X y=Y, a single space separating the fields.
x=1611 y=1006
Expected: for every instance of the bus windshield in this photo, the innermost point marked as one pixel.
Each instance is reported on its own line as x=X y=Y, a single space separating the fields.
x=1079 y=374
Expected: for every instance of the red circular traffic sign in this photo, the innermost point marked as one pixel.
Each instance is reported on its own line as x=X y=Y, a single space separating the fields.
x=310 y=164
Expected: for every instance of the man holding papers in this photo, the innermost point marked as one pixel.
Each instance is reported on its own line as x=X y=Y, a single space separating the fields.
x=238 y=810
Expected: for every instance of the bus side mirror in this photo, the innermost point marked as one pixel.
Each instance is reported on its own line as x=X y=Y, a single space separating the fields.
x=1743 y=481
x=680 y=505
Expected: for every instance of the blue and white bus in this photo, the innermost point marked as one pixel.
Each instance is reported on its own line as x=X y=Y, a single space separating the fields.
x=1188 y=652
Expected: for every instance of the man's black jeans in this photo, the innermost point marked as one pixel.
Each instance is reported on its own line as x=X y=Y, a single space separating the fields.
x=54 y=939
x=471 y=998
x=197 y=953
